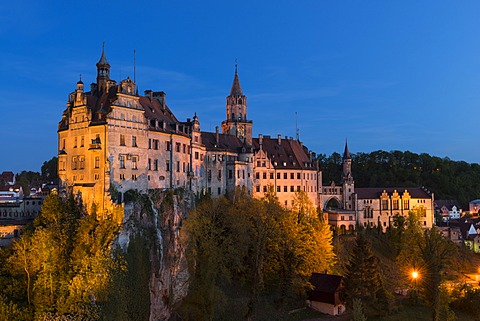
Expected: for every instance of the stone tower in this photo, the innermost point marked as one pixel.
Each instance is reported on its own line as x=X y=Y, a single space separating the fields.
x=236 y=122
x=347 y=180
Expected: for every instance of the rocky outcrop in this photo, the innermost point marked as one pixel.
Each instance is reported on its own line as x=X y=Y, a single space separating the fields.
x=157 y=219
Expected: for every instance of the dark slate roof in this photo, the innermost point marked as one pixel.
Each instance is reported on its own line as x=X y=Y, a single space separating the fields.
x=346 y=153
x=447 y=203
x=289 y=152
x=226 y=142
x=376 y=192
x=236 y=88
x=325 y=287
x=154 y=110
x=103 y=60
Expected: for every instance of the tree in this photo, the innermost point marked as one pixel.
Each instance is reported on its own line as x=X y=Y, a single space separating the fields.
x=49 y=170
x=364 y=279
x=435 y=253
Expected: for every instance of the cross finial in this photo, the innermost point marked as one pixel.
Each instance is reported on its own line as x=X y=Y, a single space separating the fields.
x=80 y=77
x=236 y=65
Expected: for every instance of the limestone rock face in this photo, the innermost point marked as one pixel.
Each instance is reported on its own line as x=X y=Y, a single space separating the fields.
x=157 y=218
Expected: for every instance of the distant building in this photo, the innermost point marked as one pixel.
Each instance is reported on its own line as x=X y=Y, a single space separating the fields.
x=349 y=206
x=448 y=209
x=7 y=178
x=474 y=207
x=328 y=293
x=111 y=140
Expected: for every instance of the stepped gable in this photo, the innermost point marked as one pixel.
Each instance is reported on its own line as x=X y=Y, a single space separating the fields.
x=284 y=153
x=225 y=142
x=376 y=192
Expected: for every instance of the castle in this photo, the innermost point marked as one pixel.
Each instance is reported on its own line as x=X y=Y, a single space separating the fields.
x=111 y=140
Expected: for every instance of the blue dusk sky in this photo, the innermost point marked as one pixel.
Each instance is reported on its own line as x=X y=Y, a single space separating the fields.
x=389 y=75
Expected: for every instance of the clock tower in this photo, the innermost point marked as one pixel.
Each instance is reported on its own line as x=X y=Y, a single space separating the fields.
x=236 y=122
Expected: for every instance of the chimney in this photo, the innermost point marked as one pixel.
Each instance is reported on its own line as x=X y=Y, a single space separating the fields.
x=148 y=93
x=279 y=139
x=217 y=136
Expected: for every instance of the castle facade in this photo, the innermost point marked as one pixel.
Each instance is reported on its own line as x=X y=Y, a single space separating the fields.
x=111 y=140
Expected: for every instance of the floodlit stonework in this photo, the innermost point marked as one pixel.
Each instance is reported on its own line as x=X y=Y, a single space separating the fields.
x=112 y=140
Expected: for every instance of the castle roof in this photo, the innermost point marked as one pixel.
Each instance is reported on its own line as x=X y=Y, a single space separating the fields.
x=236 y=88
x=376 y=192
x=103 y=60
x=225 y=142
x=346 y=153
x=284 y=153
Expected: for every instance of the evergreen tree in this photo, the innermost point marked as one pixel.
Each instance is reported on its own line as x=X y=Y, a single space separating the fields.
x=364 y=279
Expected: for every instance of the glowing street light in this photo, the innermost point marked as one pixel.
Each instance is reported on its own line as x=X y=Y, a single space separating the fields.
x=415 y=277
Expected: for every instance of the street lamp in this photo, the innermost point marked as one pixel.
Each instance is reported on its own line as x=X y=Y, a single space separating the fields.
x=414 y=277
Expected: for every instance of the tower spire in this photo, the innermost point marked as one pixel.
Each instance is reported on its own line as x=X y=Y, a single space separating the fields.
x=236 y=88
x=346 y=153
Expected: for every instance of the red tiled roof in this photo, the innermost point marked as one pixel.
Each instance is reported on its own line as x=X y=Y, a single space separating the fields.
x=289 y=154
x=226 y=142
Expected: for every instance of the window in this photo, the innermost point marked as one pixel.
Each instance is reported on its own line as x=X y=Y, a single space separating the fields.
x=264 y=175
x=209 y=175
x=292 y=176
x=271 y=175
x=122 y=140
x=257 y=188
x=168 y=146
x=285 y=188
x=265 y=189
x=219 y=174
x=134 y=177
x=122 y=161
x=134 y=162
x=196 y=155
x=219 y=191
x=82 y=162
x=167 y=166
x=184 y=148
x=278 y=175
x=149 y=164
x=292 y=189
x=97 y=161
x=285 y=176
x=74 y=162
x=149 y=143
x=178 y=166
x=122 y=177
x=134 y=141
x=63 y=144
x=384 y=204
x=155 y=144
x=82 y=141
x=75 y=142
x=279 y=189
x=177 y=147
x=257 y=175
x=230 y=174
x=298 y=175
x=155 y=164
x=395 y=205
x=406 y=204
x=298 y=188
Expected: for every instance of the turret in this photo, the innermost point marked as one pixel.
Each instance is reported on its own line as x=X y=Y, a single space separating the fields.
x=103 y=71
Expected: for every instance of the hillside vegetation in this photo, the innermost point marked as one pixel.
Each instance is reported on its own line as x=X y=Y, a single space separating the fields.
x=446 y=178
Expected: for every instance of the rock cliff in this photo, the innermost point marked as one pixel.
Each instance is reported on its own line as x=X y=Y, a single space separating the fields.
x=155 y=219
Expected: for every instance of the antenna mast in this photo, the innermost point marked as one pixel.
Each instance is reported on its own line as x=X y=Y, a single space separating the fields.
x=297 y=132
x=135 y=70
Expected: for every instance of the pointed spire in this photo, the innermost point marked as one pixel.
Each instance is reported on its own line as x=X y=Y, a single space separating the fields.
x=236 y=88
x=103 y=60
x=346 y=153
